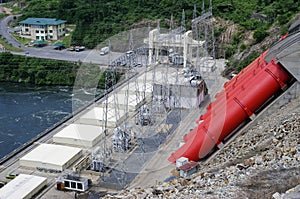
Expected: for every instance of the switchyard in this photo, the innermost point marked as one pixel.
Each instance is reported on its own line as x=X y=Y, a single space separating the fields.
x=166 y=75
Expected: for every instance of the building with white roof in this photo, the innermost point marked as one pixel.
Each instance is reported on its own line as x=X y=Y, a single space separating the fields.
x=131 y=102
x=97 y=116
x=81 y=135
x=23 y=186
x=51 y=157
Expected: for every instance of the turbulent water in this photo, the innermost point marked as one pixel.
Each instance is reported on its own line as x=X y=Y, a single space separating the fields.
x=26 y=111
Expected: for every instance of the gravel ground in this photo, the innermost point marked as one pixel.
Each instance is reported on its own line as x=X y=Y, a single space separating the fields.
x=261 y=163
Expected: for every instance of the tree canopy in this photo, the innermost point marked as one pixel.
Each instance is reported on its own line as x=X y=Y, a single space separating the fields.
x=96 y=20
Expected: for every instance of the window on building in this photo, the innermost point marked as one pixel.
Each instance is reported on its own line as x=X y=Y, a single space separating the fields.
x=42 y=31
x=39 y=26
x=67 y=184
x=51 y=37
x=73 y=185
x=42 y=37
x=26 y=29
x=37 y=37
x=46 y=31
x=50 y=31
x=37 y=31
x=63 y=29
x=79 y=186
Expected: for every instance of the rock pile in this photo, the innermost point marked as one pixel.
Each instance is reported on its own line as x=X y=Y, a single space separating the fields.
x=261 y=163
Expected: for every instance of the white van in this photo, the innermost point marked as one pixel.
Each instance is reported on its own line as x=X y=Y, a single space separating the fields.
x=104 y=50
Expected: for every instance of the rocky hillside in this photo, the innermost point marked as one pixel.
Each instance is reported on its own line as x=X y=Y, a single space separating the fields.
x=261 y=163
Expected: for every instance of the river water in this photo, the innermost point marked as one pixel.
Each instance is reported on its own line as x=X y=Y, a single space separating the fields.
x=26 y=111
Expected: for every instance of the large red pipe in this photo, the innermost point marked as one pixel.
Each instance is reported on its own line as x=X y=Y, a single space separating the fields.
x=232 y=107
x=230 y=91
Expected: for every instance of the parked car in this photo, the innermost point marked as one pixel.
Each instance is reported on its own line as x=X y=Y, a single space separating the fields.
x=12 y=175
x=104 y=50
x=79 y=48
x=2 y=184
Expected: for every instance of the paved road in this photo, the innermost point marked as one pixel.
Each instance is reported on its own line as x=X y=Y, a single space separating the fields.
x=4 y=30
x=48 y=52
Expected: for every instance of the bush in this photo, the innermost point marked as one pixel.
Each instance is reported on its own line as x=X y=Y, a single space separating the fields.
x=259 y=35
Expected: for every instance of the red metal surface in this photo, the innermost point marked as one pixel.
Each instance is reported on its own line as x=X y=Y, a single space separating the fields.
x=241 y=97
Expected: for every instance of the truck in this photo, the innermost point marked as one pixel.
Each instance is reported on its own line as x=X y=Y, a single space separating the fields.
x=104 y=50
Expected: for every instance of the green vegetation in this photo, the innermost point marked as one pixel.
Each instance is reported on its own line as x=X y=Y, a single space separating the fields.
x=17 y=68
x=21 y=40
x=97 y=20
x=8 y=46
x=67 y=40
x=2 y=15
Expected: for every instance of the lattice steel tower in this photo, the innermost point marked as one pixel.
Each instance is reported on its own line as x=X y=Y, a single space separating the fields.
x=203 y=31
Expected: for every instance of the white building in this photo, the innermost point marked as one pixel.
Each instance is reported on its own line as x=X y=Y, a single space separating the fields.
x=75 y=183
x=43 y=28
x=97 y=116
x=23 y=186
x=51 y=157
x=81 y=135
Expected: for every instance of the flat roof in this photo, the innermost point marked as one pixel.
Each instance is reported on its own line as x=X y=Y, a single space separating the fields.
x=51 y=154
x=98 y=113
x=22 y=186
x=80 y=132
x=189 y=166
x=42 y=21
x=132 y=100
x=168 y=74
x=137 y=87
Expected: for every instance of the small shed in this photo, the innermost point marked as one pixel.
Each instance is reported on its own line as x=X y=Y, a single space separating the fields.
x=73 y=183
x=181 y=161
x=188 y=168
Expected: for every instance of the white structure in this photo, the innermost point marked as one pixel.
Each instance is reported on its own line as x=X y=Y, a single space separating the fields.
x=178 y=90
x=142 y=88
x=133 y=102
x=43 y=28
x=181 y=161
x=75 y=184
x=173 y=40
x=81 y=135
x=23 y=186
x=97 y=116
x=51 y=157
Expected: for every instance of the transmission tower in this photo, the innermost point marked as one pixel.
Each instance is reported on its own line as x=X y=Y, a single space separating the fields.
x=203 y=31
x=101 y=155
